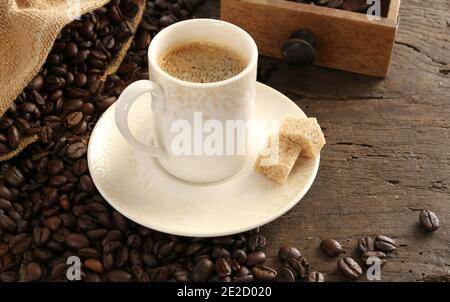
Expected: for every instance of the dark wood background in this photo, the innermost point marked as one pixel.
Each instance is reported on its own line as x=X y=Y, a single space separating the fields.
x=387 y=154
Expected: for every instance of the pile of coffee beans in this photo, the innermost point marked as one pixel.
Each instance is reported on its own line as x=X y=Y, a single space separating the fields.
x=359 y=6
x=61 y=93
x=49 y=207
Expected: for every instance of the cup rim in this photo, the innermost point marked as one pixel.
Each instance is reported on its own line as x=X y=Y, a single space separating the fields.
x=250 y=66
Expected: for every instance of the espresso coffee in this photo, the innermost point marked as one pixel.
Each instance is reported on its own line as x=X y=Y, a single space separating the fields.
x=202 y=62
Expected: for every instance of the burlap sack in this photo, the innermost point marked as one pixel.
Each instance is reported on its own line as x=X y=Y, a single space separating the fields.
x=28 y=29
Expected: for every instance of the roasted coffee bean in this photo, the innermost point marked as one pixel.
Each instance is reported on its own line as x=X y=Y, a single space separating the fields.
x=428 y=220
x=3 y=248
x=79 y=80
x=222 y=267
x=366 y=244
x=256 y=242
x=57 y=180
x=7 y=224
x=13 y=177
x=34 y=271
x=220 y=252
x=19 y=243
x=122 y=257
x=71 y=49
x=88 y=252
x=203 y=270
x=5 y=204
x=315 y=277
x=384 y=244
x=349 y=268
x=5 y=193
x=80 y=57
x=264 y=273
x=331 y=247
x=41 y=235
x=75 y=93
x=42 y=254
x=288 y=252
x=53 y=223
x=36 y=83
x=240 y=256
x=119 y=276
x=256 y=258
x=247 y=278
x=287 y=274
x=13 y=137
x=87 y=185
x=73 y=119
x=76 y=150
x=299 y=266
x=115 y=15
x=72 y=104
x=77 y=241
x=378 y=255
x=94 y=265
x=150 y=260
x=108 y=261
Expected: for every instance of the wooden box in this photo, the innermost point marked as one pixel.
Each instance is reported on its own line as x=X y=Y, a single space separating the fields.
x=346 y=40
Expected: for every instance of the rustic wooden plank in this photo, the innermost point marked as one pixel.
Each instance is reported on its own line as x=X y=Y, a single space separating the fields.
x=387 y=154
x=345 y=40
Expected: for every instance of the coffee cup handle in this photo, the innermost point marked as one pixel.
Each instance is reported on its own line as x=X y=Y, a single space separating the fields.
x=124 y=103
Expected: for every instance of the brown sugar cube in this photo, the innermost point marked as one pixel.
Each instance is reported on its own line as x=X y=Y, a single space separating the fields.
x=280 y=166
x=304 y=131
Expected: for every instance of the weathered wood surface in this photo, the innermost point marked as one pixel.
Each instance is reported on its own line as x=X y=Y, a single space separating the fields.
x=388 y=151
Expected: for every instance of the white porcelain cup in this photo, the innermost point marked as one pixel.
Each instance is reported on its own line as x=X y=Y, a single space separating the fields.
x=174 y=100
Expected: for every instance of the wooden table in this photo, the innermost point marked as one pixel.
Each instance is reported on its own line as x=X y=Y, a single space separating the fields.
x=387 y=154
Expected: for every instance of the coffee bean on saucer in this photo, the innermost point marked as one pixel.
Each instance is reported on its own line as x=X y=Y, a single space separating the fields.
x=331 y=247
x=384 y=244
x=428 y=220
x=349 y=268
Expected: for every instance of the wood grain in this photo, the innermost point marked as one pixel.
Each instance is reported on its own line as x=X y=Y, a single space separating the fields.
x=346 y=40
x=388 y=151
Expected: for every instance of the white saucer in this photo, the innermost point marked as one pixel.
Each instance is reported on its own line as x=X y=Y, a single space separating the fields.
x=136 y=185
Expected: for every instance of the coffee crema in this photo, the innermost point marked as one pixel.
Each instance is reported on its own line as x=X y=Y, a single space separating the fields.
x=202 y=62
